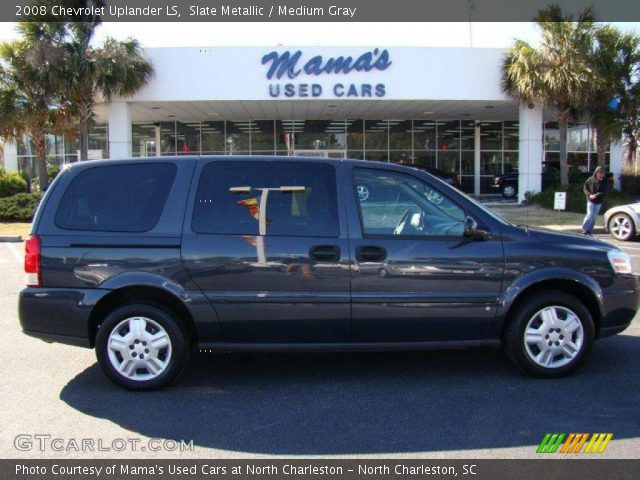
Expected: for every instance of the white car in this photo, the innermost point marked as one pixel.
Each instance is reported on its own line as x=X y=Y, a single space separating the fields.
x=623 y=222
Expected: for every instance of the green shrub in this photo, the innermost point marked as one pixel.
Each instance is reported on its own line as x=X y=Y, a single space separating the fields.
x=12 y=183
x=576 y=200
x=19 y=208
x=52 y=172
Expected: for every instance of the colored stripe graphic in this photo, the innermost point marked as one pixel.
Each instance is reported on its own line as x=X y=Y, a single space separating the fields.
x=598 y=442
x=550 y=443
x=574 y=443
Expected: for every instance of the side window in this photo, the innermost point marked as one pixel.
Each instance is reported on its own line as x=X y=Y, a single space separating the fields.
x=267 y=198
x=398 y=204
x=116 y=198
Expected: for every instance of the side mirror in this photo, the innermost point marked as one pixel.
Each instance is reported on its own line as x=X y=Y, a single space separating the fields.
x=472 y=231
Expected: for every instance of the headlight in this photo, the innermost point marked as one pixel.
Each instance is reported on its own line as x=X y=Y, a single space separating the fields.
x=620 y=261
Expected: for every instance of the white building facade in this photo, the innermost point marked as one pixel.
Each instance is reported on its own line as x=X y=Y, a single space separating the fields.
x=431 y=107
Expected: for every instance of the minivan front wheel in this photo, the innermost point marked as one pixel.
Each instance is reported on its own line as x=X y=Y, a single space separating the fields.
x=550 y=335
x=141 y=347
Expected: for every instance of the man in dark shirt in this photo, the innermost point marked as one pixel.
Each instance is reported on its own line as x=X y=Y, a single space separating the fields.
x=594 y=189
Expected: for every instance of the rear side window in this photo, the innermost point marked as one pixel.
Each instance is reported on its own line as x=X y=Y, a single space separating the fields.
x=267 y=198
x=116 y=198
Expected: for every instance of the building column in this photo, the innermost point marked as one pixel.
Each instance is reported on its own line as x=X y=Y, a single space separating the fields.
x=615 y=162
x=531 y=151
x=10 y=157
x=119 y=130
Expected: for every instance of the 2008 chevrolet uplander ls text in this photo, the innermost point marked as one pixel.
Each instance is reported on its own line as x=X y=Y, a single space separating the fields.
x=148 y=259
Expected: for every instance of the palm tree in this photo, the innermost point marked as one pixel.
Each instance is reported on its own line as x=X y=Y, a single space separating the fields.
x=615 y=58
x=558 y=73
x=28 y=95
x=91 y=73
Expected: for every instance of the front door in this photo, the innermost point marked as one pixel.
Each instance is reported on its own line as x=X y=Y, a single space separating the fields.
x=416 y=277
x=267 y=245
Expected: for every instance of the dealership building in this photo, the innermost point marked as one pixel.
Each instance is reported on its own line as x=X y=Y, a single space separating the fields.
x=431 y=107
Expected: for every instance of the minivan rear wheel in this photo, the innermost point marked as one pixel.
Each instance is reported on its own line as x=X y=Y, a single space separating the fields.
x=550 y=334
x=141 y=347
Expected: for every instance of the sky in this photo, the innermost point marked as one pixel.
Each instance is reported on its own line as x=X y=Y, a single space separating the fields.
x=454 y=34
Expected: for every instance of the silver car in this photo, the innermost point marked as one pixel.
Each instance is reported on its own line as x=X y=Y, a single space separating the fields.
x=623 y=222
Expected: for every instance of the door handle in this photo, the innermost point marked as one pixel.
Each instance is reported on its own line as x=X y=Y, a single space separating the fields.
x=370 y=253
x=325 y=253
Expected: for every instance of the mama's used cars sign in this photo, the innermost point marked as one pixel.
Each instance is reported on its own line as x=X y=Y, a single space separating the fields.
x=290 y=65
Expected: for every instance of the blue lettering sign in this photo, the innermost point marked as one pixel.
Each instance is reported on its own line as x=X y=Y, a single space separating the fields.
x=287 y=63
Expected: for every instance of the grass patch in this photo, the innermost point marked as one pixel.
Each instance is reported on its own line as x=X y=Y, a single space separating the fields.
x=10 y=229
x=537 y=216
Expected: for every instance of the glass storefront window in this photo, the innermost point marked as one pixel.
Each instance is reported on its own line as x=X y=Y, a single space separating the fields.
x=510 y=162
x=99 y=140
x=286 y=130
x=466 y=171
x=400 y=136
x=376 y=136
x=490 y=135
x=355 y=135
x=188 y=135
x=578 y=138
x=237 y=138
x=551 y=136
x=490 y=163
x=511 y=136
x=377 y=155
x=424 y=143
x=168 y=144
x=448 y=136
x=212 y=138
x=579 y=162
x=321 y=135
x=466 y=163
x=71 y=145
x=262 y=137
x=425 y=160
x=401 y=157
x=143 y=139
x=449 y=161
x=467 y=135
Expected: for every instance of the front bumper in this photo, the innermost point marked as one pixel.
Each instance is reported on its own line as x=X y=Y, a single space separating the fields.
x=59 y=315
x=620 y=303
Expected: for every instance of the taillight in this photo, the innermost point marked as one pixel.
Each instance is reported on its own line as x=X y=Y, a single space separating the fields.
x=32 y=261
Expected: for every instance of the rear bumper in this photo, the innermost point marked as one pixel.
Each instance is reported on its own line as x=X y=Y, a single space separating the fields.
x=620 y=303
x=59 y=315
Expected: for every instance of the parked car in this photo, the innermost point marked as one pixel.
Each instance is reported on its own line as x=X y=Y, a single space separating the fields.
x=623 y=221
x=507 y=183
x=147 y=260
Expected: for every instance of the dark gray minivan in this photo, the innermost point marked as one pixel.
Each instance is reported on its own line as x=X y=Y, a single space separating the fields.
x=148 y=259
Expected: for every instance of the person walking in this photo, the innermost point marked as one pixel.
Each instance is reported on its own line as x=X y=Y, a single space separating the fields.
x=594 y=189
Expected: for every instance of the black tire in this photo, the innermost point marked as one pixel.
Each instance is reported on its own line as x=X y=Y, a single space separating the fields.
x=621 y=227
x=173 y=358
x=528 y=310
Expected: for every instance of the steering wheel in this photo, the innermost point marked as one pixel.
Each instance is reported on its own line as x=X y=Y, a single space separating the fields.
x=403 y=221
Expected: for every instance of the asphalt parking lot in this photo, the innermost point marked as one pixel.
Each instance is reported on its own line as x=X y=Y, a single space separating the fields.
x=448 y=404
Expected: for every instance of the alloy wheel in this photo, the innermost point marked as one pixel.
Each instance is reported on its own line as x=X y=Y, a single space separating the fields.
x=553 y=337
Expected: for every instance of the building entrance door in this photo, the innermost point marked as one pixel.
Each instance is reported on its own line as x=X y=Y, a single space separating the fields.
x=321 y=153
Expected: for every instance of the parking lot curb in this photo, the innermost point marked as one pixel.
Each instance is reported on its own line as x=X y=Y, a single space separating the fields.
x=11 y=238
